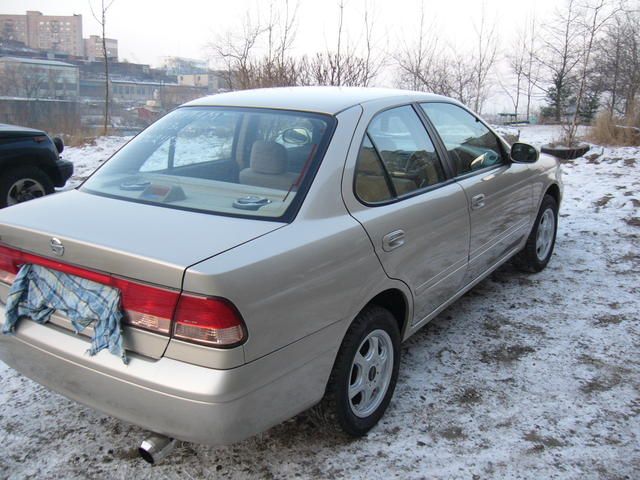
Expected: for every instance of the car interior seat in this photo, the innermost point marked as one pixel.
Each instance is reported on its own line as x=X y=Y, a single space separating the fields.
x=268 y=167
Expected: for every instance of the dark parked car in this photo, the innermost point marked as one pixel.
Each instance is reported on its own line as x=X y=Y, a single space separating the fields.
x=30 y=164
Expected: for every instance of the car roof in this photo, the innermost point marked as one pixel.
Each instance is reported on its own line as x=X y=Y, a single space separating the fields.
x=330 y=100
x=11 y=131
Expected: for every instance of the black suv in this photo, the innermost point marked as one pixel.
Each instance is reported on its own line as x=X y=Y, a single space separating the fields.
x=30 y=164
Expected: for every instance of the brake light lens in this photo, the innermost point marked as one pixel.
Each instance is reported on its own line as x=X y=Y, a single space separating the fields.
x=206 y=320
x=143 y=306
x=147 y=307
x=8 y=269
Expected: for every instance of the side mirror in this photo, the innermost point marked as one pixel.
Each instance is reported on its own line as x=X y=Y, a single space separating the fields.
x=57 y=141
x=524 y=153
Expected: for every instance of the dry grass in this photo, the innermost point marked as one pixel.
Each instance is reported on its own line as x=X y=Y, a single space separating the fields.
x=608 y=130
x=80 y=137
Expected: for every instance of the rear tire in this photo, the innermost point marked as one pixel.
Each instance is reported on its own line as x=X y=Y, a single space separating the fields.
x=20 y=184
x=365 y=372
x=537 y=252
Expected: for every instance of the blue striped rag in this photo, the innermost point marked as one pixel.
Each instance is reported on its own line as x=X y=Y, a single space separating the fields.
x=37 y=292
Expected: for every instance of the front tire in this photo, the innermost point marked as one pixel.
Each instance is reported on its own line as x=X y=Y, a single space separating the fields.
x=537 y=252
x=365 y=372
x=20 y=184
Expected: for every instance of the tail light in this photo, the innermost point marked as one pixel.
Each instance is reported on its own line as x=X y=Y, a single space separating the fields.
x=206 y=320
x=8 y=269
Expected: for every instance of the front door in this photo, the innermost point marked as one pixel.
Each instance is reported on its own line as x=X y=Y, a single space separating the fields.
x=499 y=192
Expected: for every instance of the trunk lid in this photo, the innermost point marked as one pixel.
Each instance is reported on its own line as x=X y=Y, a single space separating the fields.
x=149 y=244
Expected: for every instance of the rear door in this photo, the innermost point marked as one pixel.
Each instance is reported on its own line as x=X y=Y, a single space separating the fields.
x=499 y=192
x=415 y=215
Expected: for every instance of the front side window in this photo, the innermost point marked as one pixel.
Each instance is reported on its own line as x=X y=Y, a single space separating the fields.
x=471 y=145
x=242 y=162
x=399 y=143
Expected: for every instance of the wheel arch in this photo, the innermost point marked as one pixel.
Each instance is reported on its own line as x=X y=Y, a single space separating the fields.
x=44 y=167
x=396 y=302
x=554 y=191
x=396 y=299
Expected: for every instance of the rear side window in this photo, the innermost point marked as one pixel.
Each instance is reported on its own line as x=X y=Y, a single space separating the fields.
x=371 y=181
x=397 y=157
x=471 y=145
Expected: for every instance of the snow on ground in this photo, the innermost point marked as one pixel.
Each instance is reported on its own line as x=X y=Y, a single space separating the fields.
x=89 y=157
x=526 y=376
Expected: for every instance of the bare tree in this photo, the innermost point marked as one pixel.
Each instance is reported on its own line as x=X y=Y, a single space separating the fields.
x=419 y=61
x=338 y=57
x=277 y=67
x=32 y=82
x=487 y=46
x=423 y=63
x=8 y=81
x=596 y=16
x=235 y=50
x=517 y=61
x=344 y=66
x=327 y=68
x=521 y=59
x=532 y=67
x=631 y=63
x=618 y=60
x=559 y=58
x=610 y=52
x=462 y=78
x=258 y=53
x=101 y=18
x=373 y=64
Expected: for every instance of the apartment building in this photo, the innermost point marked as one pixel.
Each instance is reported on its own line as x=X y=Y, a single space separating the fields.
x=45 y=32
x=93 y=48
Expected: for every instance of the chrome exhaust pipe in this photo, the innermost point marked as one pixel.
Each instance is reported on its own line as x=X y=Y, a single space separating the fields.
x=156 y=447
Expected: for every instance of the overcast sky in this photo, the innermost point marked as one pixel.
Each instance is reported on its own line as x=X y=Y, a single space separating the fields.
x=148 y=30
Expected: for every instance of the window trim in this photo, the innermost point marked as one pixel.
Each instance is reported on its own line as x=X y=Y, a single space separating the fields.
x=505 y=156
x=448 y=178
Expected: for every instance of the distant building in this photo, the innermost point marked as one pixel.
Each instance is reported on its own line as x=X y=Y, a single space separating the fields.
x=93 y=48
x=45 y=32
x=214 y=82
x=38 y=79
x=184 y=66
x=55 y=34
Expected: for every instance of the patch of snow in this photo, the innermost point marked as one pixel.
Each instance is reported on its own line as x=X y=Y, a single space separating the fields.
x=89 y=157
x=536 y=135
x=526 y=376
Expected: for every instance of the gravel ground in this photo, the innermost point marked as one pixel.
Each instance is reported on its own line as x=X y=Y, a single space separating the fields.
x=526 y=376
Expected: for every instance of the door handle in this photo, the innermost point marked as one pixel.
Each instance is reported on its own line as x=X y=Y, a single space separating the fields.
x=477 y=201
x=393 y=240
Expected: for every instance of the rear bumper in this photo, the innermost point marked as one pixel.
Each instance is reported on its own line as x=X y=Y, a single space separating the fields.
x=65 y=170
x=171 y=397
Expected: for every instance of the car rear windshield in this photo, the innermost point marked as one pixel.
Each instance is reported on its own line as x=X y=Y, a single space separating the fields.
x=245 y=162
